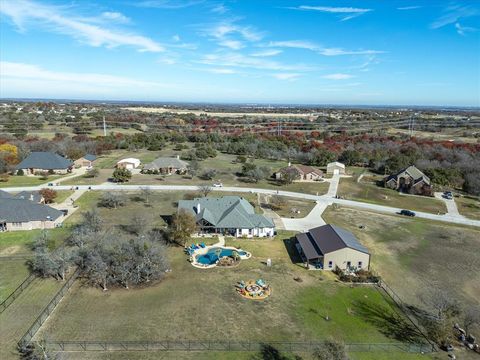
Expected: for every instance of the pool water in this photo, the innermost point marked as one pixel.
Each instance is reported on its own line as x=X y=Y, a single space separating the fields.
x=211 y=258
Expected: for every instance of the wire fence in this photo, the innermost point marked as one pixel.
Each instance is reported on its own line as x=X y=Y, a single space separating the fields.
x=28 y=336
x=16 y=293
x=216 y=345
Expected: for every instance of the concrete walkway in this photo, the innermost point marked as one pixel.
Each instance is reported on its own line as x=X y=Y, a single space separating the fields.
x=313 y=219
x=452 y=209
x=333 y=187
x=68 y=203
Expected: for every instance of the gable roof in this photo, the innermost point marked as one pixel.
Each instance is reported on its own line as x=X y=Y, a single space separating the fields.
x=6 y=195
x=166 y=162
x=226 y=212
x=414 y=172
x=326 y=239
x=29 y=195
x=20 y=210
x=302 y=169
x=134 y=161
x=44 y=161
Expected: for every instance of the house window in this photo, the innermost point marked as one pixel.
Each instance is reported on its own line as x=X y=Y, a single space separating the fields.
x=360 y=264
x=250 y=231
x=330 y=264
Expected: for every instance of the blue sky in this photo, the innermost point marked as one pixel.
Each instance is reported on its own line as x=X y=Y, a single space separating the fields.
x=307 y=52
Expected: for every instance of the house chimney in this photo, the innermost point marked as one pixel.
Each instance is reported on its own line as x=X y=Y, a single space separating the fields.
x=289 y=164
x=178 y=156
x=31 y=197
x=198 y=208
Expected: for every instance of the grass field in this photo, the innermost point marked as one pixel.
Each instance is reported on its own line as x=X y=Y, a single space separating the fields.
x=468 y=207
x=427 y=253
x=12 y=273
x=350 y=189
x=198 y=304
x=14 y=181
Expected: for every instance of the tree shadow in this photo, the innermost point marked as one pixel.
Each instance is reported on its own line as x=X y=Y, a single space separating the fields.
x=167 y=218
x=388 y=322
x=269 y=352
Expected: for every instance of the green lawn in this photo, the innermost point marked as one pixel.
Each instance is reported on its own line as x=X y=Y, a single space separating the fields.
x=62 y=195
x=12 y=273
x=15 y=181
x=469 y=207
x=350 y=189
x=202 y=304
x=427 y=253
x=19 y=242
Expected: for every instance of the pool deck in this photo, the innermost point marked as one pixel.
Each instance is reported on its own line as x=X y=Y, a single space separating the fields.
x=220 y=243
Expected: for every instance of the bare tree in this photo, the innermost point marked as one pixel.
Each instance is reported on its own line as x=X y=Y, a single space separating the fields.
x=471 y=318
x=111 y=200
x=205 y=189
x=146 y=193
x=183 y=226
x=331 y=350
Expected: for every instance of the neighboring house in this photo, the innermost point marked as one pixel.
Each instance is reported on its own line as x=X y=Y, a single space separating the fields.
x=6 y=195
x=336 y=168
x=34 y=196
x=20 y=214
x=229 y=215
x=45 y=162
x=328 y=246
x=85 y=161
x=167 y=165
x=301 y=172
x=129 y=163
x=410 y=180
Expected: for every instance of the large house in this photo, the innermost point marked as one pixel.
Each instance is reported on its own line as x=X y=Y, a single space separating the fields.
x=229 y=215
x=336 y=168
x=129 y=163
x=34 y=196
x=167 y=165
x=329 y=246
x=410 y=180
x=300 y=173
x=44 y=162
x=85 y=161
x=23 y=214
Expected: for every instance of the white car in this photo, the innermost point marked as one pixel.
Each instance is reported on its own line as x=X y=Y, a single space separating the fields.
x=218 y=184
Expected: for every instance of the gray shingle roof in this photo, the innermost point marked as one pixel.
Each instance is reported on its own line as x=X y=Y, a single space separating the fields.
x=326 y=239
x=414 y=172
x=226 y=212
x=44 y=161
x=27 y=195
x=6 y=195
x=19 y=210
x=166 y=162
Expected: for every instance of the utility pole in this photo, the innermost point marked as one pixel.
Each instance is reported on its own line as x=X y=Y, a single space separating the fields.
x=104 y=127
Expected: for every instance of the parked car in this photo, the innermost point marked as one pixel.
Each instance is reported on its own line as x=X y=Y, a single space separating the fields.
x=219 y=184
x=448 y=195
x=50 y=184
x=407 y=213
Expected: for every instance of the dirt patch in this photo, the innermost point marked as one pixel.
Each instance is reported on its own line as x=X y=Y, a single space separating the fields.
x=10 y=250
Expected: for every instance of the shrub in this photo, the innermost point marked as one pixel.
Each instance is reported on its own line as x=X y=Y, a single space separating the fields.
x=20 y=172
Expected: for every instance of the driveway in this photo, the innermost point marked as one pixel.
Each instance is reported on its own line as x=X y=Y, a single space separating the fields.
x=452 y=209
x=350 y=203
x=313 y=219
x=68 y=203
x=333 y=187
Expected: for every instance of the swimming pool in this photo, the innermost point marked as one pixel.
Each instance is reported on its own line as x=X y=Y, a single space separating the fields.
x=211 y=257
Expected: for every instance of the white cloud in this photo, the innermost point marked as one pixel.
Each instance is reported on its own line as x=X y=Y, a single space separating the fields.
x=452 y=15
x=286 y=76
x=222 y=71
x=338 y=76
x=176 y=38
x=168 y=4
x=413 y=7
x=223 y=29
x=462 y=30
x=167 y=61
x=220 y=9
x=267 y=53
x=232 y=44
x=56 y=19
x=347 y=13
x=115 y=16
x=33 y=72
x=242 y=61
x=307 y=45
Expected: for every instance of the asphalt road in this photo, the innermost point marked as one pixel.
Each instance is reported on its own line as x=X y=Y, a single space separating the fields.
x=324 y=198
